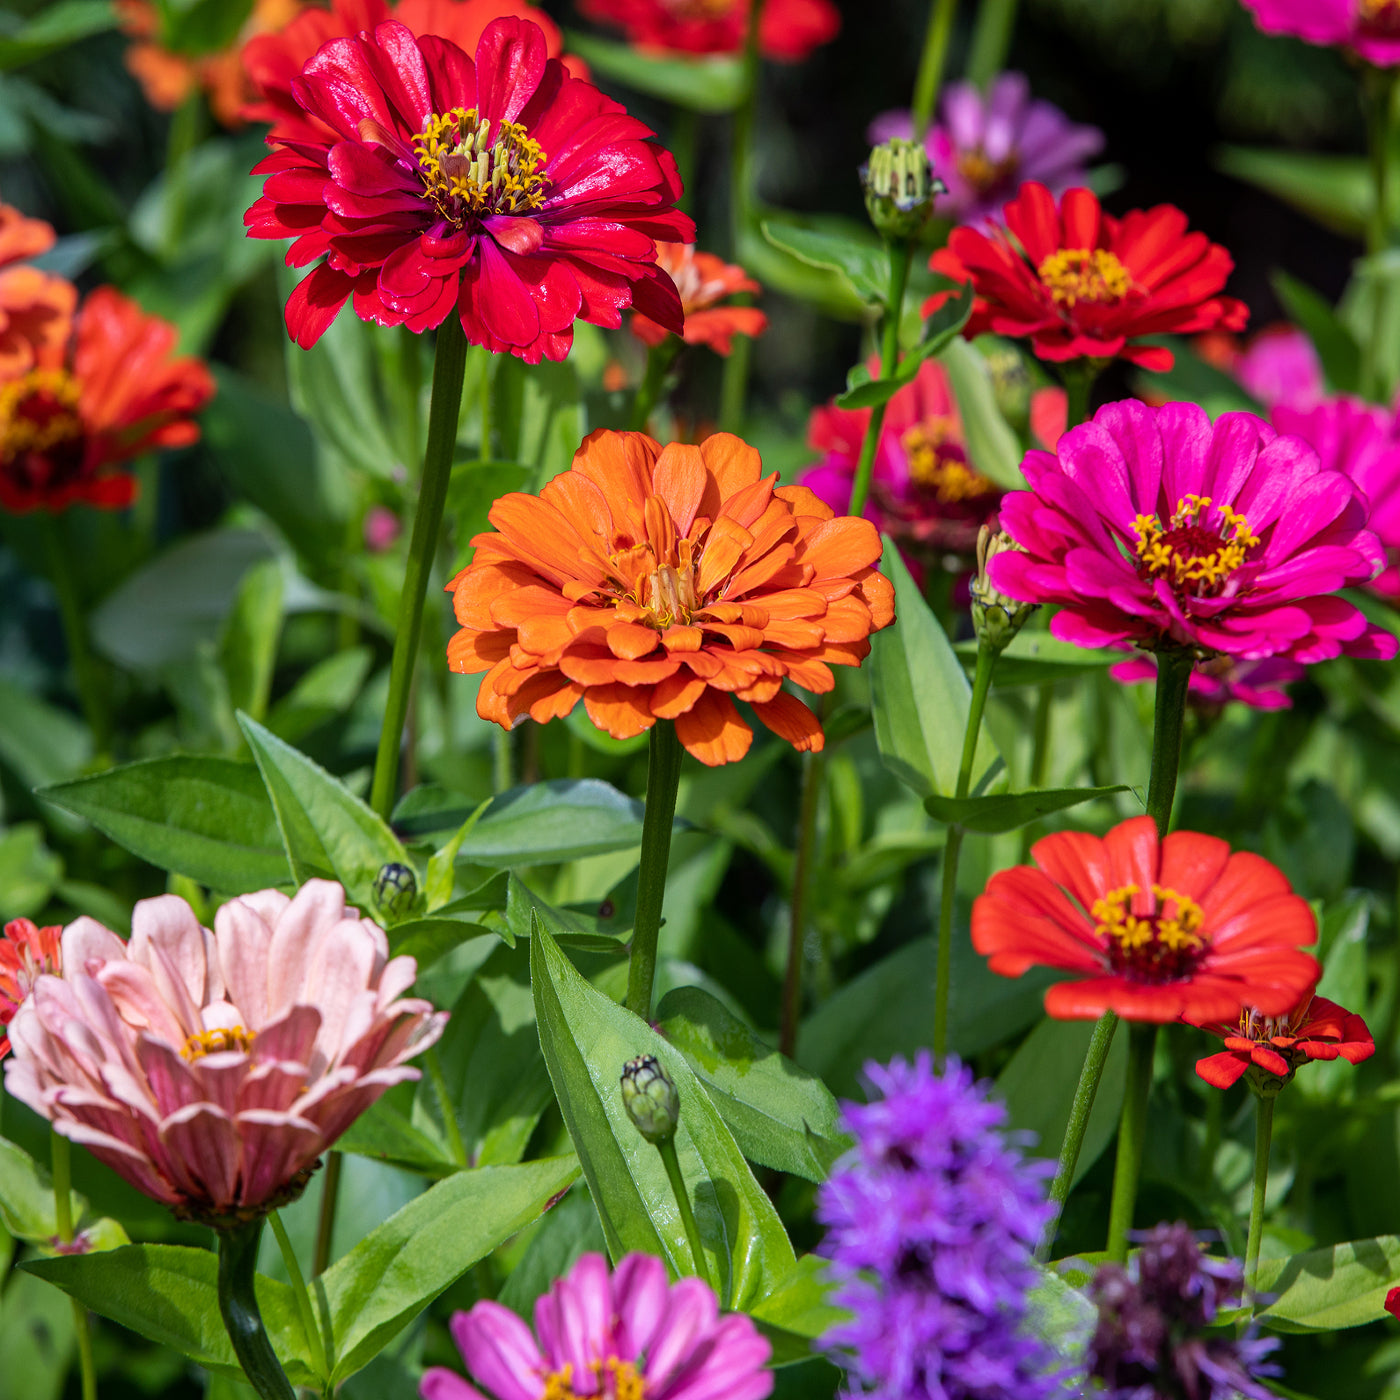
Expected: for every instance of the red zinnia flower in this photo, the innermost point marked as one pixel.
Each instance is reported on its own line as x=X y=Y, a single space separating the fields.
x=35 y=306
x=788 y=29
x=97 y=396
x=703 y=280
x=504 y=190
x=1081 y=284
x=26 y=952
x=1160 y=929
x=1315 y=1029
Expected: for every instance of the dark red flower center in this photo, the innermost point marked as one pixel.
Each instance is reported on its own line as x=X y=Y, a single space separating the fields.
x=38 y=412
x=612 y=1379
x=473 y=167
x=1094 y=275
x=1154 y=939
x=938 y=464
x=1193 y=556
x=1379 y=19
x=215 y=1042
x=982 y=172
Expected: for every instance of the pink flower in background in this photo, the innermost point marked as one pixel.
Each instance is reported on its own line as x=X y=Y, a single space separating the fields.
x=1215 y=683
x=382 y=529
x=985 y=147
x=1370 y=28
x=1159 y=528
x=211 y=1070
x=1280 y=366
x=619 y=1336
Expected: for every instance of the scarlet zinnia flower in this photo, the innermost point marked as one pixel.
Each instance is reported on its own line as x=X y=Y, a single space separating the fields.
x=26 y=952
x=35 y=306
x=1159 y=528
x=1083 y=285
x=788 y=29
x=1159 y=929
x=660 y=583
x=106 y=391
x=703 y=281
x=1315 y=1029
x=212 y=1069
x=1370 y=28
x=503 y=190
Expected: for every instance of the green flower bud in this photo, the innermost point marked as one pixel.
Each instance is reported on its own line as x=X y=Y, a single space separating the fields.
x=1011 y=382
x=395 y=891
x=996 y=617
x=900 y=186
x=650 y=1098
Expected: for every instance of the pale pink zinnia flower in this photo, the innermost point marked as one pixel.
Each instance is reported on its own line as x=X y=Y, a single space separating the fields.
x=627 y=1335
x=212 y=1069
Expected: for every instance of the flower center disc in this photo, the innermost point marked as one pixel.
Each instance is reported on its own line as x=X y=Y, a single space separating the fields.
x=983 y=173
x=1094 y=275
x=612 y=1380
x=473 y=168
x=203 y=1043
x=1379 y=18
x=38 y=412
x=1192 y=556
x=938 y=465
x=698 y=9
x=1162 y=945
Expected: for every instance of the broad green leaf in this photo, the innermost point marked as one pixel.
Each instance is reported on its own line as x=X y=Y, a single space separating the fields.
x=40 y=742
x=1334 y=190
x=921 y=695
x=1327 y=1289
x=251 y=635
x=377 y=1289
x=1035 y=657
x=1009 y=810
x=991 y=445
x=328 y=689
x=1061 y=1315
x=778 y=270
x=568 y=1231
x=26 y=1196
x=55 y=27
x=385 y=1132
x=428 y=939
x=856 y=254
x=474 y=489
x=939 y=330
x=587 y=1039
x=36 y=1338
x=29 y=871
x=797 y=1310
x=599 y=932
x=208 y=818
x=699 y=84
x=1335 y=345
x=780 y=1115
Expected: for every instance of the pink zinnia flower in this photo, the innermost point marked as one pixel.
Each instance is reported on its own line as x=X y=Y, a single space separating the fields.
x=1159 y=528
x=619 y=1336
x=212 y=1069
x=1280 y=367
x=1370 y=28
x=1262 y=685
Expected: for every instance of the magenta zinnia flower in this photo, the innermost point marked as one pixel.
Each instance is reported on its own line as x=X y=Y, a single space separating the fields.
x=502 y=189
x=212 y=1069
x=1159 y=528
x=1279 y=366
x=627 y=1335
x=1262 y=685
x=1370 y=28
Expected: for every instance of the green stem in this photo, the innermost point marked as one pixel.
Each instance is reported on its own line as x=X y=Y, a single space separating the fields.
x=660 y=358
x=685 y=144
x=61 y=1170
x=325 y=1220
x=812 y=769
x=991 y=41
x=1132 y=1130
x=1173 y=682
x=1263 y=1136
x=1040 y=756
x=663 y=780
x=900 y=256
x=1078 y=377
x=1380 y=90
x=936 y=36
x=448 y=370
x=87 y=678
x=672 y=1163
x=432 y=1065
x=238 y=1256
x=314 y=1339
x=484 y=448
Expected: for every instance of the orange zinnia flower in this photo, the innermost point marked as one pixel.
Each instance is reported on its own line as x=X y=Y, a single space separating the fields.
x=665 y=583
x=26 y=952
x=34 y=306
x=703 y=280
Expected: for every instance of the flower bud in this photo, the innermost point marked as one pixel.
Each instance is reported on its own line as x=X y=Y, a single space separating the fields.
x=650 y=1098
x=900 y=186
x=395 y=891
x=1011 y=382
x=996 y=617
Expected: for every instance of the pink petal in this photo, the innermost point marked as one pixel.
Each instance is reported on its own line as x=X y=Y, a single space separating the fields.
x=499 y=1351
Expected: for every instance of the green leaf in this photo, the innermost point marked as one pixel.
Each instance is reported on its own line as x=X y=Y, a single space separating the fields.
x=377 y=1289
x=428 y=939
x=1009 y=810
x=442 y=864
x=328 y=689
x=1335 y=345
x=570 y=928
x=42 y=743
x=857 y=255
x=991 y=445
x=781 y=1116
x=36 y=1337
x=698 y=84
x=386 y=1133
x=587 y=1039
x=921 y=695
x=475 y=487
x=1192 y=380
x=1336 y=191
x=55 y=27
x=251 y=635
x=198 y=27
x=26 y=1196
x=1061 y=1315
x=797 y=1310
x=939 y=330
x=29 y=871
x=1323 y=1290
x=208 y=818
x=1035 y=657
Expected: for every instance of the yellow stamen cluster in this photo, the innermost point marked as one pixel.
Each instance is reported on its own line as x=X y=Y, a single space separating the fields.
x=613 y=1380
x=982 y=172
x=216 y=1042
x=38 y=411
x=1187 y=552
x=947 y=475
x=1158 y=945
x=473 y=167
x=1094 y=275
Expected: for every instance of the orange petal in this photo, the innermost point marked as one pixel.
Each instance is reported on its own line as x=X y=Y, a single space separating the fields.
x=679 y=478
x=630 y=640
x=545 y=696
x=620 y=465
x=623 y=711
x=724 y=547
x=489 y=704
x=805 y=501
x=790 y=719
x=712 y=731
x=675 y=696
x=732 y=464
x=837 y=548
x=748 y=506
x=678 y=638
x=578 y=499
x=469 y=652
x=761 y=572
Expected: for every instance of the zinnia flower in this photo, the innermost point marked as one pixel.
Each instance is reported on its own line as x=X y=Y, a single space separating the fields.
x=1080 y=284
x=503 y=191
x=35 y=307
x=212 y=1069
x=1278 y=365
x=931 y=1222
x=1315 y=1029
x=657 y=583
x=1220 y=680
x=619 y=1336
x=26 y=952
x=703 y=281
x=986 y=146
x=1370 y=28
x=103 y=392
x=788 y=29
x=1159 y=528
x=1158 y=929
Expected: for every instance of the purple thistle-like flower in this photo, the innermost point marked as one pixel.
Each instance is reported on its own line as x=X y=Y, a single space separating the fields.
x=1151 y=1342
x=931 y=1219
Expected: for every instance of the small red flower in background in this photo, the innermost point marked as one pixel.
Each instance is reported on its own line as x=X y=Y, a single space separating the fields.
x=1084 y=285
x=502 y=190
x=26 y=952
x=103 y=392
x=788 y=29
x=1315 y=1029
x=1158 y=929
x=1392 y=1303
x=35 y=306
x=703 y=280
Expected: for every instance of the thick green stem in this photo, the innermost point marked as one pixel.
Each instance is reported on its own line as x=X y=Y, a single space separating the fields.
x=1380 y=90
x=61 y=1170
x=660 y=358
x=87 y=678
x=238 y=1256
x=685 y=146
x=991 y=41
x=1173 y=682
x=672 y=1163
x=663 y=780
x=1132 y=1131
x=1263 y=1136
x=309 y=1325
x=812 y=769
x=935 y=54
x=1078 y=377
x=325 y=1220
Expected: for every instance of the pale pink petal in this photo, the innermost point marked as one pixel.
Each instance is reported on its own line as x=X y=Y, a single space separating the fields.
x=204 y=1150
x=86 y=941
x=318 y=906
x=167 y=925
x=244 y=938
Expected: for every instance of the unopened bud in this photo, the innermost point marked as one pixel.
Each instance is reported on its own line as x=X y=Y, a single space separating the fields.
x=650 y=1098
x=996 y=617
x=1011 y=382
x=395 y=891
x=900 y=186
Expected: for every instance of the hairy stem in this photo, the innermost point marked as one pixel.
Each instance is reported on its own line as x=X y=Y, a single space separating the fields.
x=660 y=358
x=61 y=1169
x=672 y=1163
x=1263 y=1137
x=325 y=1220
x=1132 y=1131
x=1173 y=682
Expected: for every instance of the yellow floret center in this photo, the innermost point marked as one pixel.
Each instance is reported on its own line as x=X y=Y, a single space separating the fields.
x=216 y=1042
x=612 y=1380
x=473 y=167
x=937 y=464
x=1154 y=946
x=38 y=411
x=1092 y=275
x=1187 y=552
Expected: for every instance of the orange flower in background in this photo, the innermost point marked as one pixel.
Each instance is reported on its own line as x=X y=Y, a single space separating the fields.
x=703 y=280
x=104 y=391
x=788 y=29
x=665 y=583
x=1316 y=1029
x=34 y=306
x=26 y=952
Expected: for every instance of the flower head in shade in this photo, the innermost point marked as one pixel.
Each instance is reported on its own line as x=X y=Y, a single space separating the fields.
x=27 y=952
x=624 y=1335
x=502 y=191
x=35 y=307
x=931 y=1222
x=1220 y=680
x=1159 y=528
x=788 y=29
x=1271 y=1048
x=212 y=1069
x=1080 y=284
x=1155 y=929
x=1369 y=28
x=665 y=583
x=985 y=146
x=704 y=281
x=1152 y=1341
x=101 y=393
